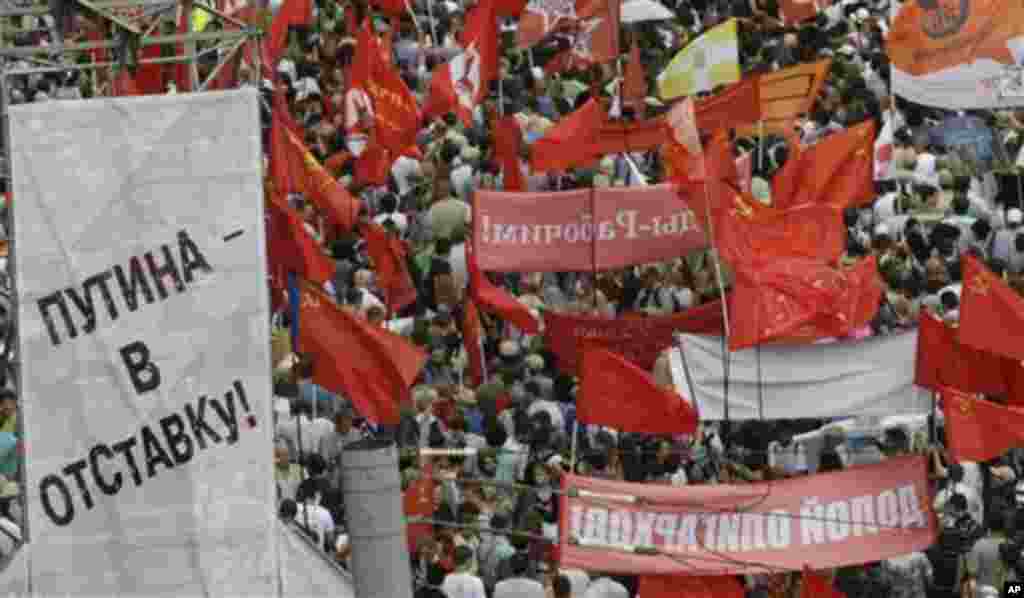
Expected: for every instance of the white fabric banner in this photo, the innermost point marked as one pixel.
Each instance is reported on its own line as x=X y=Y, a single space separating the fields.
x=852 y=378
x=143 y=321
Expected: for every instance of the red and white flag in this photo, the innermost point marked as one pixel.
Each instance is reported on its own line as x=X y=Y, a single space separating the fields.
x=682 y=120
x=541 y=18
x=463 y=82
x=594 y=34
x=745 y=170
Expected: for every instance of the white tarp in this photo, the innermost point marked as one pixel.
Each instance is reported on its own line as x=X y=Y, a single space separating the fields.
x=143 y=321
x=852 y=378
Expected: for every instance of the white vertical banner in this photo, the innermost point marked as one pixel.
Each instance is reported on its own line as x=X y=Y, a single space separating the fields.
x=143 y=318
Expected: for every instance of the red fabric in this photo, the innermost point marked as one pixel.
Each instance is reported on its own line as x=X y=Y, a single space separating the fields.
x=618 y=394
x=598 y=39
x=124 y=84
x=640 y=340
x=294 y=168
x=991 y=313
x=797 y=11
x=373 y=165
x=473 y=338
x=291 y=13
x=368 y=364
x=149 y=78
x=496 y=300
x=396 y=114
x=800 y=300
x=290 y=248
x=388 y=254
x=686 y=586
x=539 y=19
x=719 y=159
x=634 y=80
x=725 y=529
x=815 y=585
x=418 y=501
x=786 y=181
x=682 y=122
x=839 y=170
x=390 y=7
x=508 y=141
x=746 y=229
x=509 y=8
x=737 y=104
x=745 y=171
x=568 y=143
x=464 y=81
x=943 y=361
x=979 y=430
x=620 y=136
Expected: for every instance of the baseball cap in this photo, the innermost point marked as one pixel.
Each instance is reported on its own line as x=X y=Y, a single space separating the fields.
x=1014 y=216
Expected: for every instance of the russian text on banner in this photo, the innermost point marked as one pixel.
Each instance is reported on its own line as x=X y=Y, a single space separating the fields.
x=836 y=519
x=144 y=313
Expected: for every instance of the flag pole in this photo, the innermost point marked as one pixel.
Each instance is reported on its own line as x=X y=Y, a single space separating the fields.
x=412 y=15
x=593 y=246
x=433 y=28
x=572 y=450
x=725 y=312
x=760 y=146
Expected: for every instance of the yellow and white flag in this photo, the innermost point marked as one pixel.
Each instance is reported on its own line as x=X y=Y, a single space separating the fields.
x=711 y=60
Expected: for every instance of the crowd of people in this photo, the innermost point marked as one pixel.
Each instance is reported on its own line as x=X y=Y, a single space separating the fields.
x=492 y=527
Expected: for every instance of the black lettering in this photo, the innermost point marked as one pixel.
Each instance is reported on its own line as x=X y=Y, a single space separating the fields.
x=84 y=301
x=197 y=421
x=102 y=280
x=143 y=372
x=228 y=415
x=125 y=448
x=155 y=453
x=191 y=257
x=241 y=395
x=135 y=281
x=168 y=269
x=51 y=326
x=177 y=440
x=107 y=488
x=75 y=469
x=84 y=306
x=45 y=484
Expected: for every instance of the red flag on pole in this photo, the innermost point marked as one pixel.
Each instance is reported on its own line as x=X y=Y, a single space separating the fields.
x=473 y=338
x=368 y=364
x=389 y=261
x=568 y=143
x=290 y=248
x=634 y=80
x=991 y=313
x=292 y=12
x=508 y=141
x=616 y=393
x=979 y=430
x=815 y=585
x=464 y=81
x=496 y=300
x=542 y=17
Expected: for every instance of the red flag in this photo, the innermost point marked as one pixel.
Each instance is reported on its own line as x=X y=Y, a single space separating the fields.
x=373 y=165
x=696 y=586
x=740 y=103
x=368 y=364
x=124 y=84
x=418 y=501
x=720 y=160
x=797 y=11
x=943 y=361
x=991 y=313
x=799 y=300
x=839 y=170
x=634 y=80
x=979 y=430
x=390 y=7
x=290 y=248
x=787 y=180
x=567 y=144
x=496 y=300
x=616 y=393
x=542 y=17
x=682 y=120
x=597 y=36
x=464 y=81
x=473 y=338
x=745 y=171
x=396 y=114
x=508 y=141
x=814 y=585
x=291 y=13
x=295 y=168
x=746 y=229
x=388 y=254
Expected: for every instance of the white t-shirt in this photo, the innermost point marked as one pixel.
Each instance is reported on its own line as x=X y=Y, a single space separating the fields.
x=519 y=587
x=319 y=521
x=975 y=508
x=463 y=585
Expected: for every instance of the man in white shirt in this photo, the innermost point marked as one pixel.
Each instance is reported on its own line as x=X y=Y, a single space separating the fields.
x=464 y=583
x=301 y=432
x=956 y=485
x=519 y=586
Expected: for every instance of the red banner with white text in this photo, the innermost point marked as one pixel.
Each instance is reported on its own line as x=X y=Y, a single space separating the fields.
x=639 y=339
x=579 y=231
x=863 y=514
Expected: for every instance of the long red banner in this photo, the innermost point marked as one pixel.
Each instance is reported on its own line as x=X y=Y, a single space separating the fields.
x=579 y=231
x=863 y=514
x=640 y=340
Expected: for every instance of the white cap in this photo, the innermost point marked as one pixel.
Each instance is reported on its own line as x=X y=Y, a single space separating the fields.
x=1015 y=216
x=881 y=230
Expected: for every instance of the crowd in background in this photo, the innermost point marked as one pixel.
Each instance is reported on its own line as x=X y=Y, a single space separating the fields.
x=492 y=525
